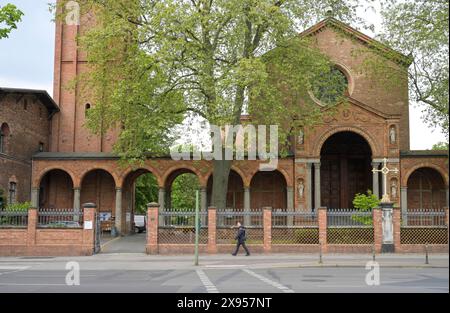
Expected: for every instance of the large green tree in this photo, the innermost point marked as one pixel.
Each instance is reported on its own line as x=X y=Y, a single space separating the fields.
x=10 y=15
x=154 y=63
x=420 y=28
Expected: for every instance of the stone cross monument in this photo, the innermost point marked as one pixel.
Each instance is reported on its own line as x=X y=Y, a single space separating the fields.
x=388 y=210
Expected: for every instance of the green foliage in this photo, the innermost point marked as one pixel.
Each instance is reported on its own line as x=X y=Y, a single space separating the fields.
x=155 y=63
x=440 y=146
x=146 y=192
x=183 y=192
x=10 y=15
x=365 y=203
x=420 y=29
x=18 y=207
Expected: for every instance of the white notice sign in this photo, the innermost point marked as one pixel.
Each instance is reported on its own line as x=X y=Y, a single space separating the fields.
x=88 y=225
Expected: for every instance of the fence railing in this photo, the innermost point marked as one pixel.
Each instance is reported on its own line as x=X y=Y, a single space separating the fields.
x=348 y=218
x=349 y=226
x=178 y=227
x=181 y=218
x=228 y=218
x=424 y=218
x=13 y=219
x=59 y=218
x=284 y=219
x=424 y=226
x=291 y=228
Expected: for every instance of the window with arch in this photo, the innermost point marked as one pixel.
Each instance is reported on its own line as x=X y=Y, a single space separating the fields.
x=12 y=192
x=330 y=86
x=4 y=134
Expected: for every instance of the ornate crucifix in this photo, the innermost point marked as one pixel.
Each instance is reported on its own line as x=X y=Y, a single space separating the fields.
x=385 y=171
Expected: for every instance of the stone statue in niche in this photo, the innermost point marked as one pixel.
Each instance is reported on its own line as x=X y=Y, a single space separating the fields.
x=393 y=135
x=301 y=137
x=394 y=189
x=301 y=189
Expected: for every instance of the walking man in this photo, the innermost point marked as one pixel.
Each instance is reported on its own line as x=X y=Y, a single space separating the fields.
x=241 y=237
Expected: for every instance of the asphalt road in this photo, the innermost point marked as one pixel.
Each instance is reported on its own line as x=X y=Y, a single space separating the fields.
x=110 y=275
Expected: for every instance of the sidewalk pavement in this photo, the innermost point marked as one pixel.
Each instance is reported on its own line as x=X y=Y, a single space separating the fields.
x=141 y=261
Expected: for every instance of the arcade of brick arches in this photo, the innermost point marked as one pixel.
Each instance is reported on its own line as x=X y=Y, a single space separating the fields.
x=328 y=164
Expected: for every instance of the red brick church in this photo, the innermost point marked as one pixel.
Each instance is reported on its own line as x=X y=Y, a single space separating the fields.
x=329 y=164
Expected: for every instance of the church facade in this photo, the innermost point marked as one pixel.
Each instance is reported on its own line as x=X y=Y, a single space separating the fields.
x=330 y=163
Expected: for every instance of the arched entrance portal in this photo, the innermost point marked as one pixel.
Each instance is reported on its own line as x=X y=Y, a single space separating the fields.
x=56 y=190
x=345 y=169
x=268 y=189
x=140 y=187
x=98 y=186
x=426 y=190
x=235 y=194
x=181 y=187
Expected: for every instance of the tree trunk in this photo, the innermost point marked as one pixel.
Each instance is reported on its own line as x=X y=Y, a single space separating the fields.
x=221 y=173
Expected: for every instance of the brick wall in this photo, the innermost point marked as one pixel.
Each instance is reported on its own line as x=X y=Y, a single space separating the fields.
x=28 y=123
x=47 y=242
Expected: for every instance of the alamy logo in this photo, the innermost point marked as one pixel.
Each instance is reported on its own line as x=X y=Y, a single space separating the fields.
x=373 y=276
x=73 y=276
x=229 y=143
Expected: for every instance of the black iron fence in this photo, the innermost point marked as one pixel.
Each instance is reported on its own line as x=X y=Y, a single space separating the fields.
x=13 y=219
x=59 y=218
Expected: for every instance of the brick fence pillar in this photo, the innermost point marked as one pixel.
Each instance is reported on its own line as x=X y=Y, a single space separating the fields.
x=397 y=221
x=32 y=225
x=267 y=224
x=152 y=228
x=322 y=218
x=89 y=228
x=377 y=229
x=212 y=230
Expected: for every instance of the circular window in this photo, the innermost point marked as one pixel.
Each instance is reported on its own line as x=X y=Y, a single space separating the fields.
x=329 y=87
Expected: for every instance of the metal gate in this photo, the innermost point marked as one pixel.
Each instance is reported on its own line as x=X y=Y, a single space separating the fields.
x=97 y=233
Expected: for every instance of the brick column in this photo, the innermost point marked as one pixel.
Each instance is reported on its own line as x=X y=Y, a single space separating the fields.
x=212 y=230
x=267 y=222
x=152 y=228
x=397 y=221
x=32 y=225
x=323 y=224
x=89 y=225
x=377 y=229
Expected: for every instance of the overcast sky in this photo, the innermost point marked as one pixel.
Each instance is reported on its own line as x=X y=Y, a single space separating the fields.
x=26 y=61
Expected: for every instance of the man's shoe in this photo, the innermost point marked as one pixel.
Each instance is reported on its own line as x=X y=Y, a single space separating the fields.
x=233 y=254
x=248 y=254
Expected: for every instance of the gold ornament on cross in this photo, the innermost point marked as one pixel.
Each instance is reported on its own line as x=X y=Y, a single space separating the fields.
x=385 y=171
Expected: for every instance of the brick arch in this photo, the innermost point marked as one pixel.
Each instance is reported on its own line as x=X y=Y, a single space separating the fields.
x=202 y=179
x=117 y=181
x=37 y=180
x=245 y=178
x=374 y=147
x=433 y=166
x=147 y=168
x=283 y=173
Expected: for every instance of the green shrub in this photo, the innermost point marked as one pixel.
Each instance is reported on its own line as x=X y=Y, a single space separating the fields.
x=18 y=207
x=365 y=203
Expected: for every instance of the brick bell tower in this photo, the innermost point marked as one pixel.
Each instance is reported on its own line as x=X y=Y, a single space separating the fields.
x=69 y=133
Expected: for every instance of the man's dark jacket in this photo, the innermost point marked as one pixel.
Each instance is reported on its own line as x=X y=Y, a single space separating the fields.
x=241 y=236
